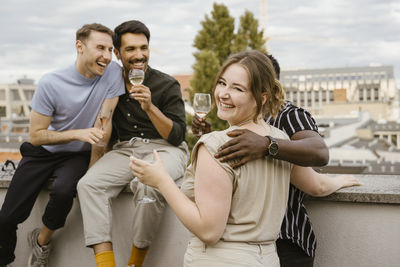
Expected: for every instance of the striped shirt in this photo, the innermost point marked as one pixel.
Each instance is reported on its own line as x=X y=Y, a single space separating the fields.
x=296 y=225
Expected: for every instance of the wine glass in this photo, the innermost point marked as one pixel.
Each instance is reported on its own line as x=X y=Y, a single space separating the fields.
x=145 y=199
x=201 y=106
x=136 y=76
x=104 y=117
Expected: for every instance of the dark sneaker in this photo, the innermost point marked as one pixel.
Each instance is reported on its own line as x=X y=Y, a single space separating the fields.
x=39 y=254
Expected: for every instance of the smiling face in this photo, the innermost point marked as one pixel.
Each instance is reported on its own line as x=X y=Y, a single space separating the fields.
x=94 y=54
x=233 y=97
x=134 y=51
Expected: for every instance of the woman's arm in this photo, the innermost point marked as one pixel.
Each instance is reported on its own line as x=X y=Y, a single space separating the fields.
x=317 y=184
x=208 y=215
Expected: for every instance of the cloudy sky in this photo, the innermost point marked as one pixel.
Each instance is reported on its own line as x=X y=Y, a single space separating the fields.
x=38 y=36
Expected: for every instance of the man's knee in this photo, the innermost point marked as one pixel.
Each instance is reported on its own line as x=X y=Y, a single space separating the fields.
x=63 y=194
x=86 y=185
x=82 y=186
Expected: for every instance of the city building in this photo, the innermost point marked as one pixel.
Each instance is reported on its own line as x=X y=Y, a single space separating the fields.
x=362 y=145
x=14 y=116
x=343 y=91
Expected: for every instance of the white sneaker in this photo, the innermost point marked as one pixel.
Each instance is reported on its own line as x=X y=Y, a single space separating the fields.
x=39 y=255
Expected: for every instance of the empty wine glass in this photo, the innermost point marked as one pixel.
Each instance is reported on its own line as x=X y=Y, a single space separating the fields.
x=201 y=106
x=145 y=199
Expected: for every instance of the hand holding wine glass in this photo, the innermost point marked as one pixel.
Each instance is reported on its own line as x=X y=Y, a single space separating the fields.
x=201 y=106
x=146 y=199
x=104 y=118
x=136 y=76
x=139 y=92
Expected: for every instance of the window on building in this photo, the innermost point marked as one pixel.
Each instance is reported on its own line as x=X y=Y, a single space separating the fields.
x=17 y=111
x=331 y=96
x=369 y=94
x=394 y=139
x=361 y=94
x=2 y=94
x=3 y=111
x=302 y=100
x=376 y=93
x=309 y=98
x=29 y=94
x=15 y=95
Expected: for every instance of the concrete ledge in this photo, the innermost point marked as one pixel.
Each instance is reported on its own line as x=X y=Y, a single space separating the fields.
x=69 y=250
x=375 y=189
x=357 y=227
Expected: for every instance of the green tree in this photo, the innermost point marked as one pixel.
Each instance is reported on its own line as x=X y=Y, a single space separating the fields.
x=215 y=42
x=217 y=33
x=204 y=72
x=248 y=36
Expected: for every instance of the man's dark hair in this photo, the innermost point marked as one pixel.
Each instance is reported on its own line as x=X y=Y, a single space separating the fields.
x=83 y=33
x=276 y=65
x=131 y=26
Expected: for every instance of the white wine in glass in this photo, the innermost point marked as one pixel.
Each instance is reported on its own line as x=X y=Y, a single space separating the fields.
x=136 y=76
x=201 y=106
x=104 y=117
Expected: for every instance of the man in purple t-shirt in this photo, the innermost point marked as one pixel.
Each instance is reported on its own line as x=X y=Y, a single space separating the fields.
x=62 y=130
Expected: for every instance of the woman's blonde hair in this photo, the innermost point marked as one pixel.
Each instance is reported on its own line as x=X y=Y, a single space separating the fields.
x=262 y=79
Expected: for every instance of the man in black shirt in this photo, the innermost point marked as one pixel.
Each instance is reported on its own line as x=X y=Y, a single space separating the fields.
x=150 y=116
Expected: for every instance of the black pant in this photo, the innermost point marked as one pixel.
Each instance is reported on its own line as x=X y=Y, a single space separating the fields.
x=34 y=171
x=291 y=255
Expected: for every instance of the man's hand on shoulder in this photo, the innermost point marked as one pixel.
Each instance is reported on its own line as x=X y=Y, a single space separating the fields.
x=245 y=146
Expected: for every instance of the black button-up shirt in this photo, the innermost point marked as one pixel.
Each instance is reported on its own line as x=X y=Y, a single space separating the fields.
x=131 y=121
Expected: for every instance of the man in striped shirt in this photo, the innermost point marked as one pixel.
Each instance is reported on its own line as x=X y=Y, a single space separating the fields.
x=296 y=244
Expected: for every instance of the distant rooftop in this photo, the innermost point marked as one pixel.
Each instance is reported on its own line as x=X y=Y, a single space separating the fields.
x=25 y=81
x=386 y=69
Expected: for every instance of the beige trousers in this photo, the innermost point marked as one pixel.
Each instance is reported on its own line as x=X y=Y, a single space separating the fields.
x=230 y=254
x=111 y=174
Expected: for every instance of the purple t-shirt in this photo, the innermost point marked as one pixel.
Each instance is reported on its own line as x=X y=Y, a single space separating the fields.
x=73 y=101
